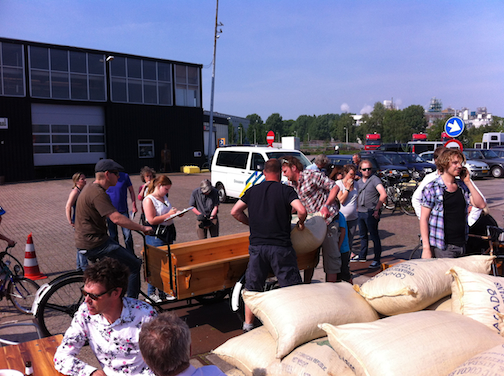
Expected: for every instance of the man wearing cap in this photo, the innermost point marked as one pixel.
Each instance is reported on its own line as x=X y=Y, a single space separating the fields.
x=10 y=242
x=93 y=209
x=205 y=202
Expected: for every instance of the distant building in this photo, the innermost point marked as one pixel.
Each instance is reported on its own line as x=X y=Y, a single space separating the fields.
x=63 y=108
x=476 y=119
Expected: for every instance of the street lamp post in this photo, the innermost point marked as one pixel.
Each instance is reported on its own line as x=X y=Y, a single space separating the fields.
x=210 y=130
x=346 y=129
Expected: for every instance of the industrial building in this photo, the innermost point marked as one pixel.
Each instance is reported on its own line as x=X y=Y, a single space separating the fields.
x=63 y=108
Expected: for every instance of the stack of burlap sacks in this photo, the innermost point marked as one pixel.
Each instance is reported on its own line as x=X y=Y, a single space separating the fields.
x=400 y=322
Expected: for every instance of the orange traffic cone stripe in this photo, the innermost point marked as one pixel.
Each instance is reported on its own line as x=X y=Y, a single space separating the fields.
x=31 y=267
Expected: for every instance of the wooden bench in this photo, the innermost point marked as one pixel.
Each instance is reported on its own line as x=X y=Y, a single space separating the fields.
x=203 y=266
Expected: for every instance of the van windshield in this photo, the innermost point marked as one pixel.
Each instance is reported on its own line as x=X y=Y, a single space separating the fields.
x=298 y=155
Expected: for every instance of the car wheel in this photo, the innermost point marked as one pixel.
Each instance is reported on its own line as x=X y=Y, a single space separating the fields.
x=222 y=192
x=497 y=172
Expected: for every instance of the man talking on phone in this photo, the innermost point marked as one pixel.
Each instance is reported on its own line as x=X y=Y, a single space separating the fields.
x=443 y=219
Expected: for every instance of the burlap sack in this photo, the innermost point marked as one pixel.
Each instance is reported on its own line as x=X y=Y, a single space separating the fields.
x=291 y=314
x=415 y=284
x=251 y=352
x=444 y=304
x=479 y=296
x=234 y=372
x=414 y=344
x=315 y=358
x=311 y=237
x=486 y=363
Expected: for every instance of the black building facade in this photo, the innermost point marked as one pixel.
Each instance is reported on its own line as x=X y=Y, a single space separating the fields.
x=63 y=108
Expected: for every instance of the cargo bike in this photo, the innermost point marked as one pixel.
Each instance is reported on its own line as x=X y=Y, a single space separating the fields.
x=204 y=271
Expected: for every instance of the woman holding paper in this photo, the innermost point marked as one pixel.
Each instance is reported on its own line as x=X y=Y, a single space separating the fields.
x=157 y=210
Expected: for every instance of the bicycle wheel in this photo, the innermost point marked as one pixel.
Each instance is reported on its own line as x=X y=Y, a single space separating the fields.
x=21 y=292
x=58 y=306
x=405 y=202
x=14 y=265
x=390 y=203
x=416 y=253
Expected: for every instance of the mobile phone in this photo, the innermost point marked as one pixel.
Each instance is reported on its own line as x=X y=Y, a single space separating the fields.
x=463 y=173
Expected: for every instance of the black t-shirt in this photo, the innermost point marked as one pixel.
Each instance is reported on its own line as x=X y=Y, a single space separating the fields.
x=455 y=217
x=269 y=212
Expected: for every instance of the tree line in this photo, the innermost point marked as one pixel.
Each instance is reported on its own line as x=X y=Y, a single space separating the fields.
x=394 y=126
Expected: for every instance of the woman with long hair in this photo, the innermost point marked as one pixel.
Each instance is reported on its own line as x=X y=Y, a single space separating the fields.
x=347 y=196
x=157 y=210
x=79 y=181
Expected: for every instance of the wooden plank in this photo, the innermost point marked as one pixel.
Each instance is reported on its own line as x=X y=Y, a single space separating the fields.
x=212 y=263
x=40 y=352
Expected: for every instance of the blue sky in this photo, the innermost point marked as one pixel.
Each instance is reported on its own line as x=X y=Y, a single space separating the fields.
x=295 y=57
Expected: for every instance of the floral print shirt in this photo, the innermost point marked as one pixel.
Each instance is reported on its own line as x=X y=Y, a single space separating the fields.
x=114 y=345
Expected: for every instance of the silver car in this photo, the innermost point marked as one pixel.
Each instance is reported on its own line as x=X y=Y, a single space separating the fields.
x=477 y=169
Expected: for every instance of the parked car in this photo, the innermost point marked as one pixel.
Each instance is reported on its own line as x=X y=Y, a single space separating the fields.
x=411 y=161
x=382 y=165
x=394 y=147
x=477 y=169
x=236 y=168
x=499 y=152
x=495 y=163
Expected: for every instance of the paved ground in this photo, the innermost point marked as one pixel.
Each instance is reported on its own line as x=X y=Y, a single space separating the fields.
x=39 y=208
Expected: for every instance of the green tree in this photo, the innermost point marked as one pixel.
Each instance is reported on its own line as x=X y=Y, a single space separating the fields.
x=375 y=122
x=414 y=118
x=394 y=129
x=275 y=123
x=343 y=122
x=231 y=134
x=255 y=131
x=302 y=124
x=434 y=132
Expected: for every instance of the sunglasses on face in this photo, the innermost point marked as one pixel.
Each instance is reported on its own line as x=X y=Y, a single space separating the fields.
x=93 y=296
x=366 y=169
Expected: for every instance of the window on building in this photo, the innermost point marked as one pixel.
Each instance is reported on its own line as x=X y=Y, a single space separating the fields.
x=12 y=70
x=187 y=86
x=140 y=81
x=145 y=148
x=62 y=74
x=68 y=138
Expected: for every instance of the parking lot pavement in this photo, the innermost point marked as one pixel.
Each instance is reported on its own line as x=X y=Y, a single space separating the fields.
x=39 y=208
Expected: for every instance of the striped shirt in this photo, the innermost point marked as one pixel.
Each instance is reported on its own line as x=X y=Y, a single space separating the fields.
x=432 y=198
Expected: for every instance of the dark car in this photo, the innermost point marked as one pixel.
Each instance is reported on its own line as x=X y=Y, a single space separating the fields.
x=495 y=163
x=411 y=161
x=383 y=165
x=499 y=152
x=394 y=147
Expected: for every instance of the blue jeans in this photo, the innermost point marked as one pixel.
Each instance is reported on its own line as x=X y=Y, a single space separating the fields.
x=369 y=224
x=113 y=249
x=128 y=238
x=81 y=261
x=155 y=242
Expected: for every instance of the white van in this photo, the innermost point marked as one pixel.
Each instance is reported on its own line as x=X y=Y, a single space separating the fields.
x=236 y=168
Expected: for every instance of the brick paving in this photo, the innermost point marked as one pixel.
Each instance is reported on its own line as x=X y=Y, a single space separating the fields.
x=39 y=208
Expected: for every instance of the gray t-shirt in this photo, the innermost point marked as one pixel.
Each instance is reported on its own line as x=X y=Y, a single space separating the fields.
x=368 y=195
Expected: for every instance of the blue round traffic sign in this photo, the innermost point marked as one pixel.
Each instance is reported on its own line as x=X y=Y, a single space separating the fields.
x=454 y=126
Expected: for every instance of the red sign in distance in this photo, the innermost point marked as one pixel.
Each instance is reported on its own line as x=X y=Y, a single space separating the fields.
x=453 y=144
x=270 y=137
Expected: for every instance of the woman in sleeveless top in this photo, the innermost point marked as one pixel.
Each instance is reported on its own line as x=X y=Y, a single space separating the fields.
x=79 y=180
x=157 y=209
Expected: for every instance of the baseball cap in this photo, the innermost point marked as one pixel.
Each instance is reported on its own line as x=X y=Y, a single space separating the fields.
x=108 y=165
x=2 y=211
x=205 y=186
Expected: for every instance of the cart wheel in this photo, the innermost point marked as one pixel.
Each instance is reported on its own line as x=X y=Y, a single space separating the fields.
x=213 y=297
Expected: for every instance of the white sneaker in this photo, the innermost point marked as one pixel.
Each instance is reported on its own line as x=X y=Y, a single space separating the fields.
x=154 y=298
x=168 y=297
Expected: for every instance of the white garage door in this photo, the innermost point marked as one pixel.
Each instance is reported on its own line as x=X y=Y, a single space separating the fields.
x=65 y=135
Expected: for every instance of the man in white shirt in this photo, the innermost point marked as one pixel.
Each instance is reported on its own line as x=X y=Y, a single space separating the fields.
x=109 y=321
x=165 y=343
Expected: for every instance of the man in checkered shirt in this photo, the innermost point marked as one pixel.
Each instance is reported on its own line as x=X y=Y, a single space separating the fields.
x=443 y=218
x=317 y=193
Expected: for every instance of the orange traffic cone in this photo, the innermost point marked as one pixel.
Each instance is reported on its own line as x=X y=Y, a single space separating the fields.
x=31 y=267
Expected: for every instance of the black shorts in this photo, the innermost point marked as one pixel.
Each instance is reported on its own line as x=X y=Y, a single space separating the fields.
x=266 y=259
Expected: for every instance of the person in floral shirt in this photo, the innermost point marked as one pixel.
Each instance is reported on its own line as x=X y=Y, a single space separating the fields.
x=109 y=321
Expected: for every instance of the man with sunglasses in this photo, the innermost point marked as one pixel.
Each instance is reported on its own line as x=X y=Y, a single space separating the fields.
x=93 y=208
x=371 y=196
x=109 y=322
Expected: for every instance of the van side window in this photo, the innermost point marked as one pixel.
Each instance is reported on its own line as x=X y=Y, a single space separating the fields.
x=257 y=162
x=235 y=159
